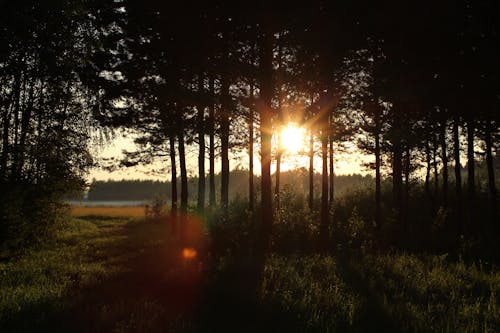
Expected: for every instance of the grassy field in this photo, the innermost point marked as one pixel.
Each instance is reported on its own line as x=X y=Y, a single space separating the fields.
x=123 y=274
x=107 y=211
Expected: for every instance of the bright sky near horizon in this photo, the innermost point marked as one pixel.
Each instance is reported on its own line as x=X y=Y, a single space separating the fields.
x=348 y=161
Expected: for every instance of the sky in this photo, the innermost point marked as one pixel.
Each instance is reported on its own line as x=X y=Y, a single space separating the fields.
x=348 y=161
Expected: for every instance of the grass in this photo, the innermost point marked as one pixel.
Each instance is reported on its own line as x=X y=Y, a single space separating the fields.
x=392 y=292
x=123 y=274
x=107 y=211
x=76 y=273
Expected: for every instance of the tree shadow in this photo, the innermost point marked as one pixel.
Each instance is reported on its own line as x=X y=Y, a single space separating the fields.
x=231 y=303
x=373 y=316
x=154 y=289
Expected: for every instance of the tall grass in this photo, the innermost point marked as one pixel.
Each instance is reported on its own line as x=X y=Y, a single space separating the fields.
x=393 y=292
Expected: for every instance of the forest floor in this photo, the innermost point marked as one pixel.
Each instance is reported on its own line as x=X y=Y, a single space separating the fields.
x=117 y=274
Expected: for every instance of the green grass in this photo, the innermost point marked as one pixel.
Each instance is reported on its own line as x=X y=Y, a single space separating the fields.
x=51 y=281
x=397 y=292
x=121 y=275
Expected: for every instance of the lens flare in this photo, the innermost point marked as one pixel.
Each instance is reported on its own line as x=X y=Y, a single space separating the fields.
x=188 y=253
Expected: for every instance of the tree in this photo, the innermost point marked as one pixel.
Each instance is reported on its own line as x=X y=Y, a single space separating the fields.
x=44 y=113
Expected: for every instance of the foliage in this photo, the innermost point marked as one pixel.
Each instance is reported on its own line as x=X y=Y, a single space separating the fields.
x=44 y=114
x=394 y=292
x=122 y=275
x=156 y=209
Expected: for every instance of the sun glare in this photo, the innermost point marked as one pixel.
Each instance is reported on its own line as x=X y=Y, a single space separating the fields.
x=292 y=138
x=188 y=253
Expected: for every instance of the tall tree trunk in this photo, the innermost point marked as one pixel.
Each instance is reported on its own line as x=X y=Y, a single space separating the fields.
x=25 y=125
x=201 y=152
x=211 y=147
x=266 y=91
x=182 y=164
x=470 y=158
x=471 y=187
x=435 y=166
x=311 y=170
x=397 y=175
x=5 y=143
x=444 y=157
x=378 y=204
x=173 y=180
x=406 y=197
x=184 y=187
x=491 y=169
x=15 y=110
x=427 y=168
x=278 y=172
x=458 y=176
x=251 y=194
x=224 y=137
x=323 y=232
x=279 y=127
x=397 y=183
x=332 y=168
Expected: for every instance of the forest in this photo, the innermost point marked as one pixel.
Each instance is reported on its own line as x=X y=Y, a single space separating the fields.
x=413 y=86
x=147 y=189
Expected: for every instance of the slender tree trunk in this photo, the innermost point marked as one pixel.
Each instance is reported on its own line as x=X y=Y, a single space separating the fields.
x=280 y=144
x=311 y=170
x=266 y=91
x=470 y=159
x=397 y=175
x=201 y=152
x=224 y=136
x=406 y=197
x=435 y=166
x=427 y=168
x=211 y=149
x=378 y=204
x=40 y=125
x=324 y=187
x=182 y=164
x=5 y=144
x=278 y=172
x=251 y=194
x=332 y=168
x=184 y=187
x=25 y=125
x=444 y=157
x=491 y=169
x=16 y=110
x=173 y=180
x=471 y=187
x=458 y=176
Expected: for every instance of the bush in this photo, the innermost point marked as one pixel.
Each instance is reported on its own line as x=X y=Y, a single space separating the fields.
x=28 y=213
x=156 y=210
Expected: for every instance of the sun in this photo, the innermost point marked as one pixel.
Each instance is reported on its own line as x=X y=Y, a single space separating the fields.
x=292 y=138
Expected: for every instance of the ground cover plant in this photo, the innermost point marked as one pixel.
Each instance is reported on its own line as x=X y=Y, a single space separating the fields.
x=127 y=274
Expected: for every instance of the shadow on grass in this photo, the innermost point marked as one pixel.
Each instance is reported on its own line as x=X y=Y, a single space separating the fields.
x=151 y=288
x=373 y=315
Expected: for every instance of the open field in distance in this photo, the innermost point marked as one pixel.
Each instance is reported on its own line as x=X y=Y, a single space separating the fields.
x=108 y=211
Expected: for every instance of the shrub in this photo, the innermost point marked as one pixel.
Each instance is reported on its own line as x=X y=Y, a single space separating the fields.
x=156 y=210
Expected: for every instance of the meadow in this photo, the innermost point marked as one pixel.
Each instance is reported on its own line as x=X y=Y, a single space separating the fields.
x=122 y=274
x=107 y=211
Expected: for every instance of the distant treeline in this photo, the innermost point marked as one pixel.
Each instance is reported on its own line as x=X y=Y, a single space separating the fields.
x=146 y=189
